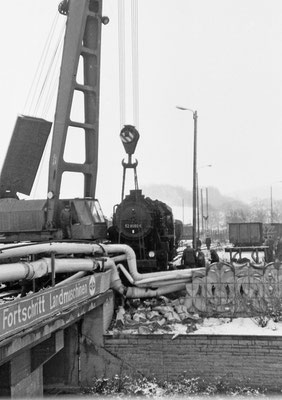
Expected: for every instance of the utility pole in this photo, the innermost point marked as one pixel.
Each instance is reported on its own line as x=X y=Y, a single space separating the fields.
x=195 y=118
x=202 y=210
x=271 y=205
x=198 y=209
x=207 y=207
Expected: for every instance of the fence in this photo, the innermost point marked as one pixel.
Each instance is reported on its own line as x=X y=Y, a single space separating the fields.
x=232 y=291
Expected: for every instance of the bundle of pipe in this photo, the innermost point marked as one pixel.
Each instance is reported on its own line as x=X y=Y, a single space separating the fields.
x=145 y=285
x=37 y=269
x=147 y=279
x=90 y=248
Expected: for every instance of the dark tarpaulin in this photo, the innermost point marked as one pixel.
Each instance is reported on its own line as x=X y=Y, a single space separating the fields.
x=24 y=155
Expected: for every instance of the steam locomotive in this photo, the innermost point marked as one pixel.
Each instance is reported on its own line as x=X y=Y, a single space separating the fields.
x=147 y=226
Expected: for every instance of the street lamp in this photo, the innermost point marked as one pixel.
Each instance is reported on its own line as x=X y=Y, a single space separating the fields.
x=195 y=118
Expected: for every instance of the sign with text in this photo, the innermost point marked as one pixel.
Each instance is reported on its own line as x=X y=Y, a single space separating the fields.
x=24 y=312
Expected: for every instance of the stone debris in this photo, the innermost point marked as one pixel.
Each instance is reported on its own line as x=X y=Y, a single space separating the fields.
x=156 y=315
x=120 y=319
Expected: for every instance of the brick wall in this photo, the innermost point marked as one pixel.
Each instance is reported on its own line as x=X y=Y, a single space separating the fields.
x=254 y=361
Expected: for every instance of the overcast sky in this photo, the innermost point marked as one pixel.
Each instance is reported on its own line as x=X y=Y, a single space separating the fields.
x=222 y=58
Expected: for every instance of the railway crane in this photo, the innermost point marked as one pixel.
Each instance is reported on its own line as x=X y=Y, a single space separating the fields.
x=39 y=220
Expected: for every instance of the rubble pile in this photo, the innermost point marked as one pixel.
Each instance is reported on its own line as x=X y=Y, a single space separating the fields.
x=157 y=315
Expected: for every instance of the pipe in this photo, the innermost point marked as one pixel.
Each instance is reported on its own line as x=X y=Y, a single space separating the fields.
x=107 y=264
x=131 y=261
x=150 y=285
x=16 y=271
x=72 y=278
x=157 y=279
x=50 y=247
x=166 y=277
x=71 y=264
x=126 y=273
x=121 y=257
x=135 y=293
x=37 y=269
x=86 y=248
x=163 y=283
x=41 y=267
x=115 y=282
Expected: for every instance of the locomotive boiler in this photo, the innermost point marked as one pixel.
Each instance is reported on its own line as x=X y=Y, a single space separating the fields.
x=147 y=226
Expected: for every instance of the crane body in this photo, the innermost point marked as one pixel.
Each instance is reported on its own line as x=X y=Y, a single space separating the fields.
x=40 y=219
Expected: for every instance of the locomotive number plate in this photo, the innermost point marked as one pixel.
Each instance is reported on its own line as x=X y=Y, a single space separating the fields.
x=132 y=226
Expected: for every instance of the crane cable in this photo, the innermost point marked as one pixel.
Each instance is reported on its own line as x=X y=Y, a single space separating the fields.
x=52 y=77
x=134 y=72
x=121 y=52
x=135 y=62
x=43 y=76
x=123 y=84
x=45 y=83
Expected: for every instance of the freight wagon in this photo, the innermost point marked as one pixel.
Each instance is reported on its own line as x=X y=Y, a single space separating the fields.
x=246 y=233
x=253 y=233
